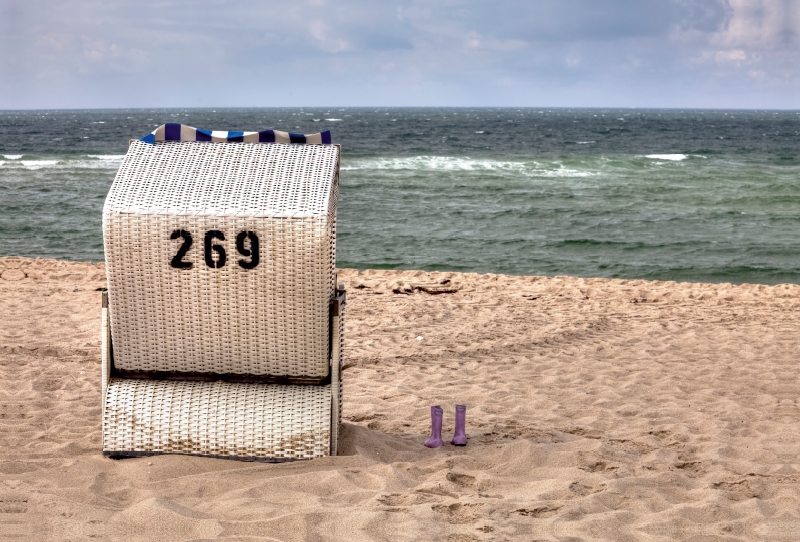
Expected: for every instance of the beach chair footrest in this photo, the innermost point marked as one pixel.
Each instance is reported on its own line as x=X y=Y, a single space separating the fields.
x=246 y=421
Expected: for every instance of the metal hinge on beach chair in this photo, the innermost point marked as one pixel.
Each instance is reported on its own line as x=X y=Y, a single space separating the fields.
x=226 y=318
x=337 y=362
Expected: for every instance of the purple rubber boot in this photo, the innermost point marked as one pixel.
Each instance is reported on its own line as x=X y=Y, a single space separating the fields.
x=436 y=428
x=460 y=435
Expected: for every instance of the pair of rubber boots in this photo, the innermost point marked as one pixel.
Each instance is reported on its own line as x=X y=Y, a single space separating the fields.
x=460 y=435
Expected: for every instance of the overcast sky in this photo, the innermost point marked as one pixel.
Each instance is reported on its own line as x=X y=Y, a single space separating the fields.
x=577 y=53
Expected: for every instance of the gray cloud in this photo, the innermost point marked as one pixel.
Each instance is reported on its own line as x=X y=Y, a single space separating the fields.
x=570 y=20
x=684 y=53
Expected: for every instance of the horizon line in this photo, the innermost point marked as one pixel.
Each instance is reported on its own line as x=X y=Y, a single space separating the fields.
x=362 y=107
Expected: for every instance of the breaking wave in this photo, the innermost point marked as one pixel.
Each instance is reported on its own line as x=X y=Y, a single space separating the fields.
x=454 y=163
x=670 y=157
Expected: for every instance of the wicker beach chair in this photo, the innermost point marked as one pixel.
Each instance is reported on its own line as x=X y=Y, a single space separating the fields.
x=222 y=327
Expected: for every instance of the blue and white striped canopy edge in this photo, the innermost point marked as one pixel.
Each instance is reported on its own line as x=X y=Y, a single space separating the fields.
x=181 y=132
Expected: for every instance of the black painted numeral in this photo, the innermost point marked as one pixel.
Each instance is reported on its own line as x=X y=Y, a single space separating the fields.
x=246 y=244
x=177 y=262
x=210 y=249
x=251 y=253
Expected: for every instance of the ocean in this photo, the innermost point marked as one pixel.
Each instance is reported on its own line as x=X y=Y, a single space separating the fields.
x=694 y=195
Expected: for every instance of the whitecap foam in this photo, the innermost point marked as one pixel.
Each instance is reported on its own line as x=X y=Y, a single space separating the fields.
x=670 y=157
x=586 y=142
x=92 y=161
x=452 y=163
x=108 y=157
x=479 y=132
x=2 y=162
x=333 y=120
x=97 y=161
x=563 y=172
x=38 y=164
x=12 y=156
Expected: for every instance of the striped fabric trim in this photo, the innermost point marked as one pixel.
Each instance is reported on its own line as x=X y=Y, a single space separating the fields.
x=181 y=132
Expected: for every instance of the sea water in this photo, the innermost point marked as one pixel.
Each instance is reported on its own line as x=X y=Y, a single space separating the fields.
x=656 y=194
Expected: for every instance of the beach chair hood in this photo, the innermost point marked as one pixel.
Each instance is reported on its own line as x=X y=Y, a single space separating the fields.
x=220 y=255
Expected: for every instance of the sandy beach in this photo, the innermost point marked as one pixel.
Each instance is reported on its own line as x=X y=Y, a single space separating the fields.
x=598 y=409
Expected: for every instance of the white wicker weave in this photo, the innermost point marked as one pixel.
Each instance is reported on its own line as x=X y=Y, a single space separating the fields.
x=255 y=421
x=251 y=421
x=272 y=319
x=220 y=261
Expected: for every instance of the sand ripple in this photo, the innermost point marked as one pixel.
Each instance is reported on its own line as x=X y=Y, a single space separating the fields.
x=598 y=409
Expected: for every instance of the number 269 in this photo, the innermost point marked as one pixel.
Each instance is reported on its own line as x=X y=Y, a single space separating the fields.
x=210 y=249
